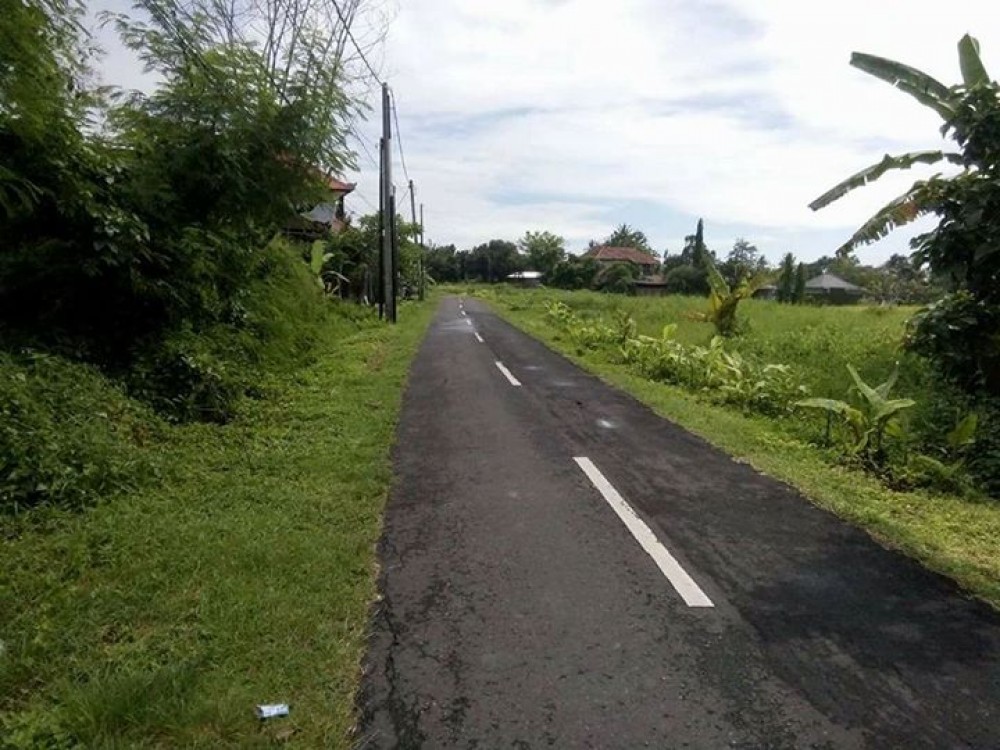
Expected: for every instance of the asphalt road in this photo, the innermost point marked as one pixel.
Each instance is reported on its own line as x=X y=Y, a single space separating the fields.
x=523 y=604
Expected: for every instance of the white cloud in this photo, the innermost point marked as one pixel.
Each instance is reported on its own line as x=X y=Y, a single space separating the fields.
x=527 y=114
x=576 y=115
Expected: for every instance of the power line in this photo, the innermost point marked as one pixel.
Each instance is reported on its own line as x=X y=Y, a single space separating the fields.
x=399 y=137
x=347 y=28
x=367 y=202
x=364 y=145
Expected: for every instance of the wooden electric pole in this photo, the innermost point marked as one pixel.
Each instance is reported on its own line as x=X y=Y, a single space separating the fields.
x=387 y=268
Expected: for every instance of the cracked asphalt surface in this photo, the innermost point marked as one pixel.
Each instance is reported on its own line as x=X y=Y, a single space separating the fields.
x=518 y=611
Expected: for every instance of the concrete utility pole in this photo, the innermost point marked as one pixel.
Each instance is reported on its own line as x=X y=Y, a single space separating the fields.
x=417 y=237
x=387 y=266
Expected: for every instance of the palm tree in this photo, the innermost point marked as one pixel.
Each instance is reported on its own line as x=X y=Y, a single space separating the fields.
x=950 y=103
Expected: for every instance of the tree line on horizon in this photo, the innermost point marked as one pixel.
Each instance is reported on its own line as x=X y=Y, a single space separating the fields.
x=897 y=280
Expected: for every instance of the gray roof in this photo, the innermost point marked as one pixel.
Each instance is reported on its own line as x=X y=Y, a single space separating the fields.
x=323 y=213
x=827 y=281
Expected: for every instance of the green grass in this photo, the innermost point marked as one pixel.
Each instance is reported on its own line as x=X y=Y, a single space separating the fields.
x=159 y=618
x=804 y=337
x=957 y=536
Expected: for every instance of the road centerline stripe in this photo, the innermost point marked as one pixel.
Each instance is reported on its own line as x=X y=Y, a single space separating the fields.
x=478 y=337
x=683 y=583
x=507 y=374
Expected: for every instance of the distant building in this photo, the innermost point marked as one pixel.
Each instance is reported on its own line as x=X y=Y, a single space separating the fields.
x=825 y=289
x=833 y=290
x=607 y=255
x=326 y=217
x=525 y=278
x=651 y=286
x=768 y=291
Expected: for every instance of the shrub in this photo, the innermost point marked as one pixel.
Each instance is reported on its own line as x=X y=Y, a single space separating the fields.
x=200 y=373
x=67 y=436
x=950 y=333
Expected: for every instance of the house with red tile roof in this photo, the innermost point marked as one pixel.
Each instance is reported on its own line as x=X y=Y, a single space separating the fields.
x=606 y=254
x=324 y=218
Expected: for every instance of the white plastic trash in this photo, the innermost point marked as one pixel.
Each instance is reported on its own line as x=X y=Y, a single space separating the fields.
x=272 y=710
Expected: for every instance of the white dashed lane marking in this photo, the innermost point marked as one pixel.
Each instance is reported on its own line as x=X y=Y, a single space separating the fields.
x=507 y=374
x=684 y=584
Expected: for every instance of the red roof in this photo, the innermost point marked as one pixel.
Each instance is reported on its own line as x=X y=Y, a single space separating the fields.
x=616 y=254
x=338 y=185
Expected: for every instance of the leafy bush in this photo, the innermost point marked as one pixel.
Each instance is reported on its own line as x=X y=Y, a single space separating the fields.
x=866 y=419
x=200 y=374
x=67 y=436
x=961 y=335
x=723 y=376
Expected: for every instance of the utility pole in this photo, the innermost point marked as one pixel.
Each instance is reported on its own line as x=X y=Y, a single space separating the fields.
x=421 y=224
x=417 y=232
x=393 y=255
x=379 y=281
x=387 y=209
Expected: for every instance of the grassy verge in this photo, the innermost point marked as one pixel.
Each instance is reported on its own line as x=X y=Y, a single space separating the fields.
x=160 y=618
x=957 y=536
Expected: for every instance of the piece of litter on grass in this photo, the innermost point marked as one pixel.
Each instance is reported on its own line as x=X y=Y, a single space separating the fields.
x=272 y=711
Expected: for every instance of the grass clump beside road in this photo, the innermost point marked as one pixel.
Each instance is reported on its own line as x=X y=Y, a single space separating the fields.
x=241 y=574
x=955 y=534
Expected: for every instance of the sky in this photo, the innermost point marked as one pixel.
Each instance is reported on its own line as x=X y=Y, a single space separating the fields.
x=575 y=116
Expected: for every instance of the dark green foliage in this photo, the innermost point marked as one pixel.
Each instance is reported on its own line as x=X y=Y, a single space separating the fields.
x=542 y=251
x=687 y=279
x=575 y=273
x=67 y=436
x=743 y=262
x=616 y=278
x=139 y=248
x=799 y=289
x=961 y=335
x=493 y=261
x=786 y=279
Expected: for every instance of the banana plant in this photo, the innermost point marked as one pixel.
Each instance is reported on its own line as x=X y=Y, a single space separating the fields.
x=723 y=301
x=948 y=471
x=947 y=102
x=867 y=420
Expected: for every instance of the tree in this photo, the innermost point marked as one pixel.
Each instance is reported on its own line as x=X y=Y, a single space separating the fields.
x=442 y=263
x=543 y=250
x=616 y=277
x=626 y=236
x=494 y=261
x=686 y=279
x=743 y=261
x=799 y=290
x=152 y=225
x=786 y=279
x=575 y=273
x=965 y=245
